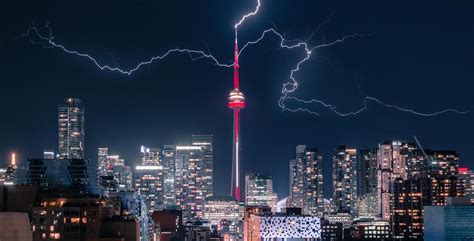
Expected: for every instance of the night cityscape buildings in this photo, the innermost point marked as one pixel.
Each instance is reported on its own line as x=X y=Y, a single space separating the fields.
x=395 y=191
x=259 y=191
x=344 y=180
x=343 y=183
x=306 y=181
x=71 y=129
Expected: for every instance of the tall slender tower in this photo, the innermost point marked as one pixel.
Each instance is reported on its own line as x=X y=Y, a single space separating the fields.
x=236 y=102
x=71 y=129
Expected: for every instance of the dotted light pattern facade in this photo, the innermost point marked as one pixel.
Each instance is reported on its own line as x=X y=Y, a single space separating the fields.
x=289 y=226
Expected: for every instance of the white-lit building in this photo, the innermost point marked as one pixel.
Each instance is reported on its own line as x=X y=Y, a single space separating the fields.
x=371 y=230
x=225 y=213
x=71 y=129
x=169 y=168
x=149 y=178
x=114 y=175
x=367 y=205
x=259 y=191
x=392 y=165
x=306 y=181
x=194 y=176
x=345 y=218
x=344 y=180
x=284 y=227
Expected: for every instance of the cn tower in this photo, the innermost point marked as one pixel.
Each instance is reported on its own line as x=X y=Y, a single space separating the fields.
x=236 y=102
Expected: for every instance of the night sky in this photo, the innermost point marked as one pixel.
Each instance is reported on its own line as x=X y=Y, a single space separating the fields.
x=419 y=55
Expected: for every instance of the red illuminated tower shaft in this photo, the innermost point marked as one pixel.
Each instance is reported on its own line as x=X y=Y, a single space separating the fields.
x=236 y=102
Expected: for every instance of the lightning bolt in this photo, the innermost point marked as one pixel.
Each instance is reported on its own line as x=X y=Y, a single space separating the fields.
x=288 y=87
x=236 y=26
x=48 y=42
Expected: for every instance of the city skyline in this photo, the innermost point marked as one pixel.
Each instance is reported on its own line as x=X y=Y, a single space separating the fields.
x=354 y=164
x=155 y=117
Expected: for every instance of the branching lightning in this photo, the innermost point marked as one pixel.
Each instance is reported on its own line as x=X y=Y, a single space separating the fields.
x=48 y=42
x=288 y=87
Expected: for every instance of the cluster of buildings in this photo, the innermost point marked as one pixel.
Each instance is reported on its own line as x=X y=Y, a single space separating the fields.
x=396 y=191
x=387 y=192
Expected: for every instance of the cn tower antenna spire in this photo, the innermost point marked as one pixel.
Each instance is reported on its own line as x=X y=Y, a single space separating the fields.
x=236 y=62
x=236 y=103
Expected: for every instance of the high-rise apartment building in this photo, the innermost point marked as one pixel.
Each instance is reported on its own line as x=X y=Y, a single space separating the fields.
x=297 y=184
x=306 y=181
x=102 y=161
x=71 y=129
x=149 y=178
x=409 y=197
x=206 y=143
x=367 y=171
x=193 y=176
x=259 y=191
x=114 y=175
x=392 y=165
x=344 y=180
x=468 y=178
x=169 y=168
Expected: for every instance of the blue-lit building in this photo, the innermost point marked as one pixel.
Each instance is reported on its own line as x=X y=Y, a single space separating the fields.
x=134 y=206
x=455 y=221
x=53 y=173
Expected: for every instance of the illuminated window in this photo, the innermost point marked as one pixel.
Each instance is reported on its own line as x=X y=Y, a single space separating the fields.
x=75 y=220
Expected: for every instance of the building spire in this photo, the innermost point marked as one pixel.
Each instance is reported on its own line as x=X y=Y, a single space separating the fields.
x=236 y=62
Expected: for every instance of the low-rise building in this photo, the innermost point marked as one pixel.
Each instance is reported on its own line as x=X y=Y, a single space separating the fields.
x=455 y=221
x=15 y=226
x=284 y=227
x=371 y=230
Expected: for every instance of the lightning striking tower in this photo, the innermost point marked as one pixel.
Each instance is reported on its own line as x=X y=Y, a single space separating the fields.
x=236 y=102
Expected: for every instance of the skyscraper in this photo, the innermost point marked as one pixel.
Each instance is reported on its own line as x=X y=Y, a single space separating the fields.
x=114 y=175
x=468 y=177
x=149 y=178
x=169 y=168
x=344 y=180
x=409 y=197
x=102 y=161
x=392 y=165
x=71 y=129
x=259 y=191
x=367 y=171
x=306 y=181
x=206 y=142
x=297 y=183
x=193 y=180
x=236 y=102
